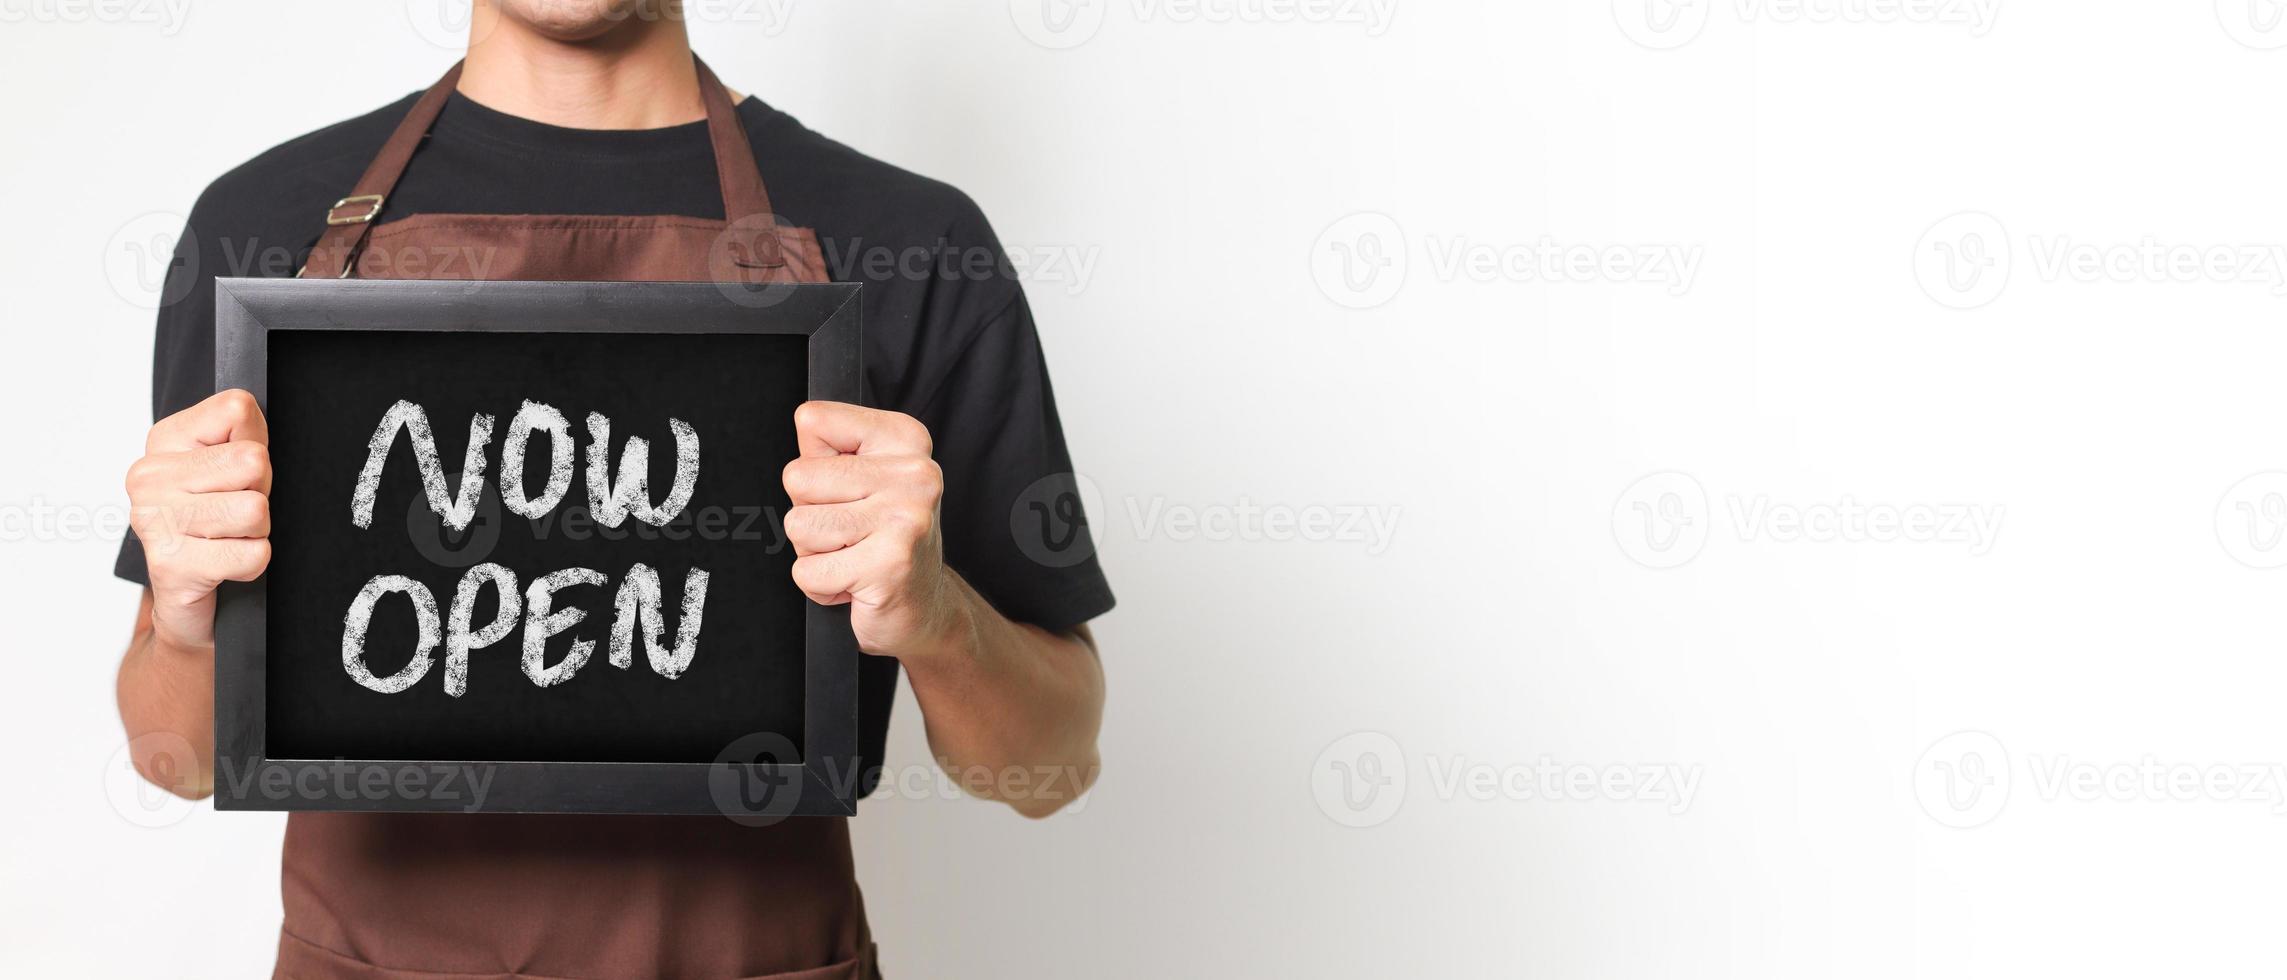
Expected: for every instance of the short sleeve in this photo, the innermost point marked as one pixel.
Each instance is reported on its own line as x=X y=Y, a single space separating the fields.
x=1014 y=518
x=182 y=351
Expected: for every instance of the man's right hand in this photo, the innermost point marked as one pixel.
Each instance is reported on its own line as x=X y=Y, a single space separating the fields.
x=200 y=500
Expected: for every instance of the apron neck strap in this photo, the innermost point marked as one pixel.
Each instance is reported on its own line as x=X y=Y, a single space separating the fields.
x=750 y=227
x=750 y=236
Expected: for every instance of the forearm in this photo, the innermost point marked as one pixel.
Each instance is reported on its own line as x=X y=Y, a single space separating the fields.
x=165 y=690
x=1011 y=710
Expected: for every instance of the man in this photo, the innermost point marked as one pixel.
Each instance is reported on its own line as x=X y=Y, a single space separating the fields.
x=586 y=112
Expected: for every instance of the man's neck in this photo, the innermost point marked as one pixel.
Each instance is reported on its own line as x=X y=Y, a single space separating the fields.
x=635 y=76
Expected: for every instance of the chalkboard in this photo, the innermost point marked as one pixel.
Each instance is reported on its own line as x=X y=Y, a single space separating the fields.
x=531 y=535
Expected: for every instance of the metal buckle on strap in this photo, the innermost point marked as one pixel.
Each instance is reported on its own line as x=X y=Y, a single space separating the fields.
x=373 y=210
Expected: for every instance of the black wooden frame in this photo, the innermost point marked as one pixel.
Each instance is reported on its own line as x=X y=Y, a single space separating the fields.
x=247 y=311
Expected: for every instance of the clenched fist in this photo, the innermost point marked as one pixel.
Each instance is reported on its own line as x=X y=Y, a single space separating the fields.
x=200 y=500
x=864 y=526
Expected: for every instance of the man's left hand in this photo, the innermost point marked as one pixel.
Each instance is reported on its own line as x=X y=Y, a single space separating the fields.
x=864 y=527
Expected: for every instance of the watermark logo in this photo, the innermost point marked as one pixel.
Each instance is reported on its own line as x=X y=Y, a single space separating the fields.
x=1671 y=265
x=2258 y=24
x=463 y=784
x=169 y=15
x=453 y=25
x=1360 y=780
x=769 y=17
x=2251 y=520
x=1049 y=520
x=1965 y=261
x=171 y=761
x=1359 y=262
x=1373 y=525
x=141 y=801
x=1962 y=261
x=1667 y=24
x=138 y=256
x=1547 y=780
x=456 y=25
x=1063 y=24
x=1362 y=261
x=39 y=520
x=449 y=548
x=1064 y=786
x=1069 y=266
x=737 y=259
x=1968 y=778
x=1058 y=24
x=756 y=780
x=1060 y=520
x=1664 y=520
x=1962 y=780
x=1661 y=521
x=1661 y=24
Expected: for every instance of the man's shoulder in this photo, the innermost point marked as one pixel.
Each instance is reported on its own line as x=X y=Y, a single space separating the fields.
x=272 y=194
x=849 y=194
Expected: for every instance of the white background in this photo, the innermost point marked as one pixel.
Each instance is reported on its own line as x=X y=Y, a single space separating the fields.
x=2118 y=628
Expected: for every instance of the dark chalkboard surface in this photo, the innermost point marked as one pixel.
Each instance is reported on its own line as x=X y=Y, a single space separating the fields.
x=737 y=392
x=652 y=636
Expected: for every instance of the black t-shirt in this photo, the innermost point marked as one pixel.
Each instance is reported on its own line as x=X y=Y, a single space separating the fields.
x=948 y=336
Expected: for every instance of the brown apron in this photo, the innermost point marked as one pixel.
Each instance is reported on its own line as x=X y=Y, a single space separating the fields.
x=375 y=896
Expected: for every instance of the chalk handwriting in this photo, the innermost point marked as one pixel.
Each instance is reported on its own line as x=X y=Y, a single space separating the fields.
x=637 y=605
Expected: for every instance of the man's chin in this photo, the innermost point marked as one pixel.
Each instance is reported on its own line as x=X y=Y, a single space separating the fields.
x=575 y=21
